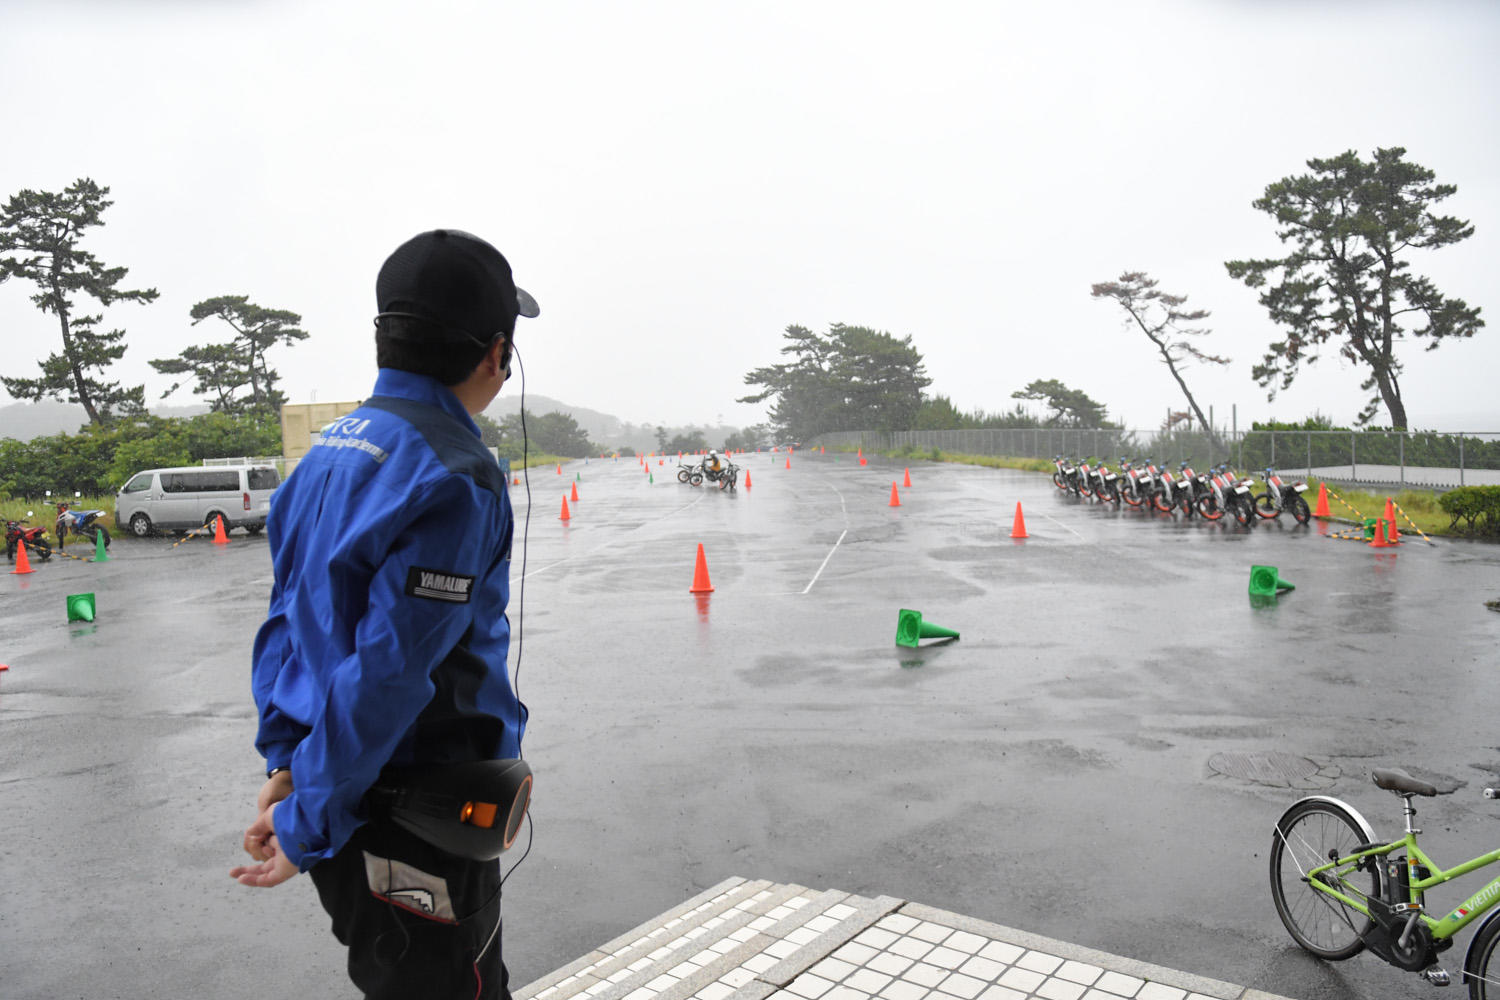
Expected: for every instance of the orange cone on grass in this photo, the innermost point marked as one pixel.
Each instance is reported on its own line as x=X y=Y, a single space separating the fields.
x=220 y=538
x=1322 y=509
x=895 y=497
x=700 y=575
x=1018 y=530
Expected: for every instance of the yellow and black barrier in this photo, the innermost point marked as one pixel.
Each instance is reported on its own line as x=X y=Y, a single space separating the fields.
x=1409 y=521
x=1357 y=515
x=191 y=535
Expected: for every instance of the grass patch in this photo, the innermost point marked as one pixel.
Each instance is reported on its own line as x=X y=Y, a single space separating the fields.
x=1419 y=505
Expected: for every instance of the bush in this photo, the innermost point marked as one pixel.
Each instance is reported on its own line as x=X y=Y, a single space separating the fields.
x=98 y=459
x=1477 y=506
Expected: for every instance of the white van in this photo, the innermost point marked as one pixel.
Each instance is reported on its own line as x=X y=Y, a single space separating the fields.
x=187 y=497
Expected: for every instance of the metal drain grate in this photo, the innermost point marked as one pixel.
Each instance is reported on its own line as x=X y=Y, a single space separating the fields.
x=1268 y=767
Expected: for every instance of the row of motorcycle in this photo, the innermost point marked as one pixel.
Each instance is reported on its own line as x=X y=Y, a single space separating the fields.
x=1212 y=495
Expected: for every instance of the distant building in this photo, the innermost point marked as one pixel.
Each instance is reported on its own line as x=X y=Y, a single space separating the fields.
x=301 y=423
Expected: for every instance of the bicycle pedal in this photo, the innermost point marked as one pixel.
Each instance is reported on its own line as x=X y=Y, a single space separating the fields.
x=1437 y=976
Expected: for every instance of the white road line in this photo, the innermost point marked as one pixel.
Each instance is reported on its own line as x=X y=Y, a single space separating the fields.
x=1061 y=525
x=825 y=561
x=845 y=509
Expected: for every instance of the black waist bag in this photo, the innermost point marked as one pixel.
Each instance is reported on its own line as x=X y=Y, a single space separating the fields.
x=473 y=810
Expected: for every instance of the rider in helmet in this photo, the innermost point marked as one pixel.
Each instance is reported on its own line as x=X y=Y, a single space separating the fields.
x=714 y=464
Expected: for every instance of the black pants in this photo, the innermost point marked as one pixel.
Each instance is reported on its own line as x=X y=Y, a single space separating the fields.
x=414 y=918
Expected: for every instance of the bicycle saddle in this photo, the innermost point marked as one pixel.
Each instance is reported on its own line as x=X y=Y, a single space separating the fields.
x=1396 y=780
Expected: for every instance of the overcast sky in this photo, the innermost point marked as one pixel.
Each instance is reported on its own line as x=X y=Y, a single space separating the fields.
x=676 y=182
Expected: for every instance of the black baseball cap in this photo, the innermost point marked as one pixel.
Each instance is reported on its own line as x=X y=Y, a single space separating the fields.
x=455 y=280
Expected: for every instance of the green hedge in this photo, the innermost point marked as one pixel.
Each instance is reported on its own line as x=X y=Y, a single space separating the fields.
x=1477 y=506
x=97 y=460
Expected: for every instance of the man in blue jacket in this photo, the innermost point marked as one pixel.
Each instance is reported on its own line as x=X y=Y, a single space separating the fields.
x=386 y=639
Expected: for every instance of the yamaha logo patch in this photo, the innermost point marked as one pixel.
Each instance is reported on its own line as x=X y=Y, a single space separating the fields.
x=439 y=586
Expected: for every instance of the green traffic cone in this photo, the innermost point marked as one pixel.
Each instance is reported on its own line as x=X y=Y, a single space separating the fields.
x=80 y=607
x=651 y=478
x=100 y=554
x=910 y=628
x=1266 y=581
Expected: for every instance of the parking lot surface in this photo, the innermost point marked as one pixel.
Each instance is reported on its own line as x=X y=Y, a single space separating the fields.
x=1098 y=759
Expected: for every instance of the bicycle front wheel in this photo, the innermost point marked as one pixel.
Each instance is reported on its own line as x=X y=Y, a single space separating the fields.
x=1482 y=966
x=1308 y=835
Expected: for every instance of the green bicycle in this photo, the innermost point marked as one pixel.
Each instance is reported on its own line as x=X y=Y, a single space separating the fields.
x=1338 y=890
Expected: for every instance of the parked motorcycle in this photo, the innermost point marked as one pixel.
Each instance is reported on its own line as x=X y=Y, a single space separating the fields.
x=1133 y=484
x=79 y=522
x=1084 y=486
x=1280 y=496
x=1062 y=473
x=1106 y=484
x=1231 y=495
x=1176 y=492
x=1195 y=486
x=35 y=539
x=1161 y=487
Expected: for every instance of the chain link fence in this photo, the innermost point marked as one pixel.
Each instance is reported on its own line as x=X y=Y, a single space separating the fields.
x=1426 y=459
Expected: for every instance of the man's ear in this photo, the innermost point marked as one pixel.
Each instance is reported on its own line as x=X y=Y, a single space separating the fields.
x=497 y=358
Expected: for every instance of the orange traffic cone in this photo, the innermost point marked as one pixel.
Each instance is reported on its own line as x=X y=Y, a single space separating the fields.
x=747 y=479
x=575 y=492
x=220 y=538
x=1390 y=509
x=1379 y=542
x=559 y=470
x=895 y=497
x=700 y=575
x=1322 y=509
x=23 y=561
x=516 y=481
x=1018 y=529
x=1392 y=536
x=906 y=478
x=565 y=516
x=789 y=461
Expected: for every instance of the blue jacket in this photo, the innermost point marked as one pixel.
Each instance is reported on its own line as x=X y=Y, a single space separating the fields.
x=386 y=639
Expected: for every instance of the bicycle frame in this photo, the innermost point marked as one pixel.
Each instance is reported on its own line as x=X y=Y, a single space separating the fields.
x=1445 y=927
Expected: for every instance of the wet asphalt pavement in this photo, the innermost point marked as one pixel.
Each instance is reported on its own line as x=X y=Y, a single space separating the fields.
x=1060 y=768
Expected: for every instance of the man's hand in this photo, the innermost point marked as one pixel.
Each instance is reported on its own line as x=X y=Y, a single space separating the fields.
x=262 y=844
x=277 y=787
